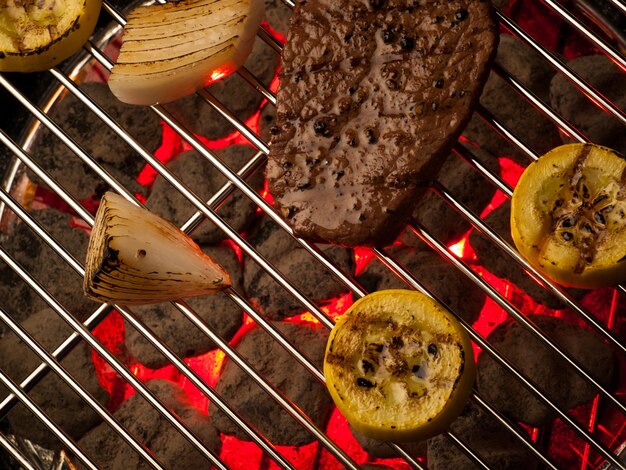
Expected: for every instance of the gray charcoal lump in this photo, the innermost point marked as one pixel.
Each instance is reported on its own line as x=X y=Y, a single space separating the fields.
x=63 y=406
x=239 y=97
x=296 y=264
x=279 y=368
x=33 y=254
x=465 y=299
x=466 y=185
x=495 y=445
x=98 y=140
x=551 y=373
x=597 y=125
x=109 y=451
x=205 y=180
x=537 y=131
x=502 y=265
x=218 y=311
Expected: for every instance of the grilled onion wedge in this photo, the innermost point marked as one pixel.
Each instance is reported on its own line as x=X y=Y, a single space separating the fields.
x=399 y=366
x=173 y=49
x=36 y=35
x=568 y=216
x=135 y=257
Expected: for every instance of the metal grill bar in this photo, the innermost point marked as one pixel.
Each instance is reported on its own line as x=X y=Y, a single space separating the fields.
x=60 y=250
x=436 y=245
x=44 y=418
x=407 y=277
x=79 y=390
x=108 y=357
x=142 y=328
x=15 y=453
x=477 y=223
x=259 y=160
x=590 y=35
x=560 y=122
x=590 y=92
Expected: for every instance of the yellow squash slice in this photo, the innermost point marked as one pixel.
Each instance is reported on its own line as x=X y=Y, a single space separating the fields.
x=36 y=35
x=399 y=366
x=568 y=215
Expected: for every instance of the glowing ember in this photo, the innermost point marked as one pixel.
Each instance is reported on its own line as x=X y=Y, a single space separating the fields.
x=217 y=74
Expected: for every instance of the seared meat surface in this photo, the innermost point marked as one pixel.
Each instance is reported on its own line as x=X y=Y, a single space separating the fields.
x=372 y=95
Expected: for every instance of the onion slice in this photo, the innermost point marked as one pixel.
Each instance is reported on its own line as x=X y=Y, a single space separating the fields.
x=173 y=49
x=135 y=257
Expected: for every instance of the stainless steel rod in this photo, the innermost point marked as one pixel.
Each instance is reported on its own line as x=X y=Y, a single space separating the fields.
x=590 y=92
x=77 y=388
x=42 y=416
x=611 y=52
x=15 y=453
x=121 y=369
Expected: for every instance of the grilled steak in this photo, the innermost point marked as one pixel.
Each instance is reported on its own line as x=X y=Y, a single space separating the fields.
x=372 y=95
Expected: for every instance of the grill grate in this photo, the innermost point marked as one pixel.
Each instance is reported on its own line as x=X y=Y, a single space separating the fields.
x=210 y=209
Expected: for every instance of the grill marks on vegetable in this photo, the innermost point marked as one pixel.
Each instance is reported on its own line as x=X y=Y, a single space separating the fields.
x=401 y=355
x=580 y=215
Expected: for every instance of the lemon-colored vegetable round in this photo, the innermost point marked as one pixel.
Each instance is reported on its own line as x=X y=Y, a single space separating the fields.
x=399 y=366
x=568 y=215
x=36 y=35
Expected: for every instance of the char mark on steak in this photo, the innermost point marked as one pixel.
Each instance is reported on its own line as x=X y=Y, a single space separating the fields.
x=372 y=97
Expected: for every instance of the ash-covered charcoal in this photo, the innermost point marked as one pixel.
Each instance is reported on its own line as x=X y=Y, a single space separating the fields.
x=542 y=366
x=109 y=451
x=597 y=125
x=273 y=362
x=237 y=95
x=297 y=264
x=537 y=131
x=465 y=298
x=218 y=311
x=467 y=185
x=277 y=14
x=382 y=450
x=63 y=406
x=98 y=140
x=42 y=263
x=495 y=445
x=205 y=180
x=496 y=261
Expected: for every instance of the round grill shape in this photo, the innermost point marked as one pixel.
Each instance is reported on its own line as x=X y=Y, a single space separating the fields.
x=39 y=182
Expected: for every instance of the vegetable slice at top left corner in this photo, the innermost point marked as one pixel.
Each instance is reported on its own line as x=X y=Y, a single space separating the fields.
x=171 y=50
x=36 y=35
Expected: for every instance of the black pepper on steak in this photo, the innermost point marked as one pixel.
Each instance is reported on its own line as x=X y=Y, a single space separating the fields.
x=64 y=406
x=551 y=373
x=205 y=180
x=150 y=427
x=281 y=369
x=220 y=313
x=98 y=140
x=346 y=82
x=296 y=264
